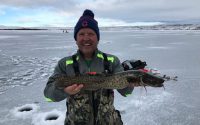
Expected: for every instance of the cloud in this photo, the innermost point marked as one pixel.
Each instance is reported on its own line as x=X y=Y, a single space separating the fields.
x=120 y=11
x=37 y=3
x=38 y=19
x=141 y=10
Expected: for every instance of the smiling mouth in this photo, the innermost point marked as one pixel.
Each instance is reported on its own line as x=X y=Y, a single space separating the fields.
x=87 y=44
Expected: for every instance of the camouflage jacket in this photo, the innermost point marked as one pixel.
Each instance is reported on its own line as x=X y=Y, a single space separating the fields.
x=87 y=107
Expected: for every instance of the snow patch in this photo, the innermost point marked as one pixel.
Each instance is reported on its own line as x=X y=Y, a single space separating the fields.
x=106 y=42
x=177 y=43
x=8 y=36
x=135 y=45
x=157 y=47
x=54 y=48
x=23 y=71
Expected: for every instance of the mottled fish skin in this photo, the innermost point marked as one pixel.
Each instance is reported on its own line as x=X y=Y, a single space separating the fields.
x=118 y=80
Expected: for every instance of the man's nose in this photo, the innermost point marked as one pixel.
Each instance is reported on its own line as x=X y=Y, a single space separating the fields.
x=86 y=36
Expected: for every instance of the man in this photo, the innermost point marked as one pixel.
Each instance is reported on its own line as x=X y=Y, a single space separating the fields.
x=86 y=107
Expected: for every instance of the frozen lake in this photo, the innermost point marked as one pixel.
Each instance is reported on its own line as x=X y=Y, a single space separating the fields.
x=27 y=58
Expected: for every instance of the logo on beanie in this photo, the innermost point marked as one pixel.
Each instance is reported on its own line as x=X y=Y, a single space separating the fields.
x=84 y=23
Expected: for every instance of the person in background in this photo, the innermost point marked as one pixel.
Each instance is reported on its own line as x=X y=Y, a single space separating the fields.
x=87 y=107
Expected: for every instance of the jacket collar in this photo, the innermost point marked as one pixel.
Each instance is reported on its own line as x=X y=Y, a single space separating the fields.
x=80 y=54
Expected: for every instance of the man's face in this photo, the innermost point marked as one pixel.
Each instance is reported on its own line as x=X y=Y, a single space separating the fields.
x=87 y=41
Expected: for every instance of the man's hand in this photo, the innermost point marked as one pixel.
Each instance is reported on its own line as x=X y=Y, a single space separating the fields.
x=73 y=89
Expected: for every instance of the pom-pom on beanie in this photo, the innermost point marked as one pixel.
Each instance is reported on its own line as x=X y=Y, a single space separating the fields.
x=87 y=21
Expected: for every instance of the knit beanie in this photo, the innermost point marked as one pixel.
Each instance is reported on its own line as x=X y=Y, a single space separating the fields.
x=87 y=21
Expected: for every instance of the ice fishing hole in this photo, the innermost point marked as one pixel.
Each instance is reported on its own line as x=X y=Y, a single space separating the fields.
x=25 y=109
x=52 y=117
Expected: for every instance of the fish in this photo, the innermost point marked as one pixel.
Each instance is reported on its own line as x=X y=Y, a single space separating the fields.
x=117 y=80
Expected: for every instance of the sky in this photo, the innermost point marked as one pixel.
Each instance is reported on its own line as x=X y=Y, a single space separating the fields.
x=65 y=13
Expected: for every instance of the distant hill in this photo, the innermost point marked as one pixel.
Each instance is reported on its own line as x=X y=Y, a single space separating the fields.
x=151 y=27
x=19 y=28
x=33 y=28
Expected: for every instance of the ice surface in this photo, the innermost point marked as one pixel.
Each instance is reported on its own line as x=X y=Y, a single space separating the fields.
x=27 y=59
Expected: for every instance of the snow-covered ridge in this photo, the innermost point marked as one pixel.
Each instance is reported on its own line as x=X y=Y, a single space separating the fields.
x=145 y=27
x=158 y=27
